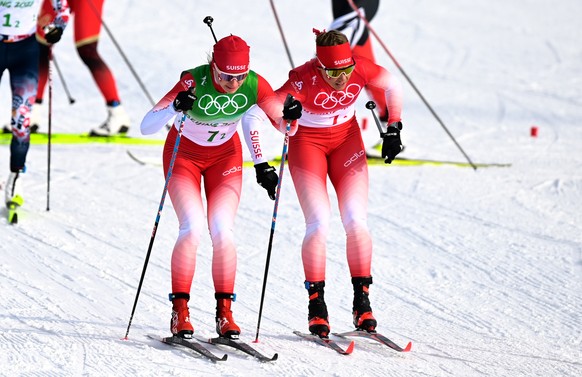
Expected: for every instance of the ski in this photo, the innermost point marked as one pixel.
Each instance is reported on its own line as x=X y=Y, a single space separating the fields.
x=193 y=345
x=12 y=207
x=144 y=160
x=372 y=160
x=241 y=346
x=326 y=342
x=377 y=337
x=375 y=159
x=84 y=138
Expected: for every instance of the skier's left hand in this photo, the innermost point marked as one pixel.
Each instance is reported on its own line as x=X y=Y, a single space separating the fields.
x=391 y=144
x=267 y=178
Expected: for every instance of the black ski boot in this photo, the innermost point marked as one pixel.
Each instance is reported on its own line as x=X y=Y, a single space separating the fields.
x=362 y=312
x=318 y=317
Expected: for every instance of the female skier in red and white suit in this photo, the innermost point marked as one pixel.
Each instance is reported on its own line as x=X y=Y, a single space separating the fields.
x=210 y=151
x=329 y=143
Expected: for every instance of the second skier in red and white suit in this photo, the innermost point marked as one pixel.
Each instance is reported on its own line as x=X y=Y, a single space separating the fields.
x=328 y=143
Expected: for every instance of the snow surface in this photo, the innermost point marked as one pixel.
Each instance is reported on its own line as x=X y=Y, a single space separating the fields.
x=481 y=270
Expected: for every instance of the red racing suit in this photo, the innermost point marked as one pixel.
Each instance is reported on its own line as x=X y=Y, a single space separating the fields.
x=209 y=149
x=328 y=143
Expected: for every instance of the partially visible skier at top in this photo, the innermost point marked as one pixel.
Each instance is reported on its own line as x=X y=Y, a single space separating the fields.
x=87 y=16
x=349 y=23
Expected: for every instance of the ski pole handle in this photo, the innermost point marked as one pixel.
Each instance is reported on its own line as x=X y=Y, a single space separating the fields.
x=208 y=21
x=371 y=105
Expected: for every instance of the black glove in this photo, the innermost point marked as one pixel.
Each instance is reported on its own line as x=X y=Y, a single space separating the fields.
x=184 y=101
x=54 y=35
x=267 y=178
x=391 y=144
x=292 y=110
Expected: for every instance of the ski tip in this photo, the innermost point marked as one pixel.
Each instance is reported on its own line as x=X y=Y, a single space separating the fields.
x=135 y=158
x=15 y=202
x=408 y=347
x=350 y=348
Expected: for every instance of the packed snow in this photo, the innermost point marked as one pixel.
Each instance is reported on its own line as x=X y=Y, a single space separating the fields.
x=480 y=269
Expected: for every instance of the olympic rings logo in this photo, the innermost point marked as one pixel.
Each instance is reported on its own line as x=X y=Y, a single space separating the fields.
x=212 y=105
x=343 y=98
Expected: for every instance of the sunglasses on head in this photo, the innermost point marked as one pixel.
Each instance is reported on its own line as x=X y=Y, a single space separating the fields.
x=223 y=76
x=334 y=73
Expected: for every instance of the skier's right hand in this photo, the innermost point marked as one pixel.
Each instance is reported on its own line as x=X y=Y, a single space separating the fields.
x=184 y=100
x=54 y=31
x=267 y=178
x=292 y=109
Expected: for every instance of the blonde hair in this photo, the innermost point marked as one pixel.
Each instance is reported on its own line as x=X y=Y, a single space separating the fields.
x=331 y=38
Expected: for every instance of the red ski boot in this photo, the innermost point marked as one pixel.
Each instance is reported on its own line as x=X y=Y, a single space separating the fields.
x=225 y=325
x=180 y=324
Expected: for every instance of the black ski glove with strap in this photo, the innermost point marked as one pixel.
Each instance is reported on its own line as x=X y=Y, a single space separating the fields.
x=184 y=100
x=391 y=144
x=292 y=109
x=54 y=35
x=267 y=178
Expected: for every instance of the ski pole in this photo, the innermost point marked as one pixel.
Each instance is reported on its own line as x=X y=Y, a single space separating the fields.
x=371 y=105
x=50 y=127
x=282 y=34
x=274 y=221
x=208 y=21
x=363 y=18
x=147 y=258
x=63 y=82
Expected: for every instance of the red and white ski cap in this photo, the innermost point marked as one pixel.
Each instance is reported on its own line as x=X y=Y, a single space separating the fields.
x=231 y=55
